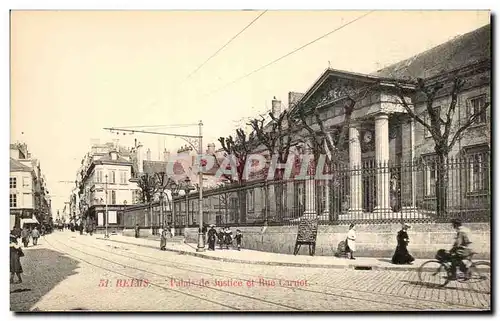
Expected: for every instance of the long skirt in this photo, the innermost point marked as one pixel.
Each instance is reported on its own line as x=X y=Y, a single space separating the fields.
x=15 y=262
x=402 y=256
x=211 y=243
x=163 y=243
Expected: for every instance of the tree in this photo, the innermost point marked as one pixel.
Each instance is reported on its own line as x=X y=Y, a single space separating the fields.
x=442 y=130
x=277 y=137
x=164 y=182
x=239 y=149
x=148 y=185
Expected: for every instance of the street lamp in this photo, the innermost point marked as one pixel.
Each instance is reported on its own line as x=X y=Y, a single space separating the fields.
x=187 y=188
x=174 y=191
x=106 y=197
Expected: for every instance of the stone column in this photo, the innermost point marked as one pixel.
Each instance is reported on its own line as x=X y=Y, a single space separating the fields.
x=413 y=173
x=382 y=163
x=310 y=190
x=356 y=186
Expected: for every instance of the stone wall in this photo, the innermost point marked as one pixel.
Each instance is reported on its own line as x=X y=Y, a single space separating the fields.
x=372 y=240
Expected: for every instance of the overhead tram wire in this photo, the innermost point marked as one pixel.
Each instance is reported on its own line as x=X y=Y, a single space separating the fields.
x=161 y=126
x=288 y=54
x=224 y=46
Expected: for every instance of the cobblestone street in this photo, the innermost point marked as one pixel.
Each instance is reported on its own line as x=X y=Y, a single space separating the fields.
x=67 y=271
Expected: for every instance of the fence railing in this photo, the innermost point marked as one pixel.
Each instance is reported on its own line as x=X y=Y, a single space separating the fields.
x=425 y=190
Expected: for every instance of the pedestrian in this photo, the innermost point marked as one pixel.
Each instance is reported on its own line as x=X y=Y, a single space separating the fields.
x=43 y=230
x=172 y=229
x=137 y=230
x=351 y=242
x=15 y=259
x=17 y=232
x=204 y=231
x=163 y=239
x=25 y=236
x=401 y=254
x=212 y=236
x=238 y=238
x=81 y=227
x=35 y=235
x=91 y=227
x=228 y=237
x=220 y=237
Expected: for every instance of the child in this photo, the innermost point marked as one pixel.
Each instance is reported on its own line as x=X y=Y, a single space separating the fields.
x=238 y=239
x=220 y=236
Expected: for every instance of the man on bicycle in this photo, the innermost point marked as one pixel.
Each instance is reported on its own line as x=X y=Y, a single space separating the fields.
x=461 y=248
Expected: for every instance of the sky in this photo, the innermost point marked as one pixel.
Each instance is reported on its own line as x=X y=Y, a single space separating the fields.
x=75 y=72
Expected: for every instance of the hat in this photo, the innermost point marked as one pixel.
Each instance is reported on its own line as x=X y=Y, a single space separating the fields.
x=456 y=222
x=407 y=225
x=212 y=225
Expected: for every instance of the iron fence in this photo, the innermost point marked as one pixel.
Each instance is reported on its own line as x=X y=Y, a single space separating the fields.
x=424 y=190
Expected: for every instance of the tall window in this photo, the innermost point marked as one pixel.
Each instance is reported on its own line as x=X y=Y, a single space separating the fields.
x=113 y=197
x=299 y=196
x=478 y=179
x=251 y=200
x=123 y=177
x=13 y=200
x=430 y=175
x=475 y=105
x=112 y=177
x=98 y=176
x=13 y=182
x=26 y=182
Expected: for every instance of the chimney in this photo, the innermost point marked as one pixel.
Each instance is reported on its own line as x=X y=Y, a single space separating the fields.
x=276 y=107
x=166 y=155
x=148 y=155
x=140 y=158
x=211 y=149
x=293 y=98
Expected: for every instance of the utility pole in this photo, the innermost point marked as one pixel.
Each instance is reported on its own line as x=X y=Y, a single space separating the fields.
x=191 y=140
x=106 y=197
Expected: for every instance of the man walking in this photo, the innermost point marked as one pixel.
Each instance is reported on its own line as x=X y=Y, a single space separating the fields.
x=137 y=231
x=25 y=236
x=35 y=235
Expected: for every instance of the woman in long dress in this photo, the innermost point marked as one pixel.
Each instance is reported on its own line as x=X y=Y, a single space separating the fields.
x=15 y=263
x=401 y=255
x=351 y=242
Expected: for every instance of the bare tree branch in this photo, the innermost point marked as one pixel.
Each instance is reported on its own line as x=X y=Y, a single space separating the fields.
x=471 y=121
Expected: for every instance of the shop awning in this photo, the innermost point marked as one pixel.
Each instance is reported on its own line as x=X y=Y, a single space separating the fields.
x=29 y=221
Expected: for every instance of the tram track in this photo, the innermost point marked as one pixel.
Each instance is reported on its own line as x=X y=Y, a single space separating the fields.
x=183 y=291
x=188 y=268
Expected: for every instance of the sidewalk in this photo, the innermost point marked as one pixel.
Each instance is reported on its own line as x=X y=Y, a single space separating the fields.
x=268 y=258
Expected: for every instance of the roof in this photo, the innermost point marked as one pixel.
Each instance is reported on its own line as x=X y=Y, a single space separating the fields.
x=464 y=50
x=17 y=166
x=151 y=167
x=119 y=160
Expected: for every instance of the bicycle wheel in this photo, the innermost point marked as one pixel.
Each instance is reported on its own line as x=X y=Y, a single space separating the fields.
x=433 y=273
x=480 y=272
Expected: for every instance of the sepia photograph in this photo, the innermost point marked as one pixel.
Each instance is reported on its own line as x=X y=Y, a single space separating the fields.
x=250 y=160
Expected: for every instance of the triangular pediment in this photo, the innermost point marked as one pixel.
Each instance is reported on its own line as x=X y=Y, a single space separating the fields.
x=333 y=86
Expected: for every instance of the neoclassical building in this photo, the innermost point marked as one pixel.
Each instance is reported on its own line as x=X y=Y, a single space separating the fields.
x=390 y=170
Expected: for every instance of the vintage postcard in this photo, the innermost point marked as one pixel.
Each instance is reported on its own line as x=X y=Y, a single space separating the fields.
x=251 y=160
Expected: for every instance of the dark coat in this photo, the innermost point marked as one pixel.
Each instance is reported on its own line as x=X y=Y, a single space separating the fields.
x=15 y=254
x=401 y=255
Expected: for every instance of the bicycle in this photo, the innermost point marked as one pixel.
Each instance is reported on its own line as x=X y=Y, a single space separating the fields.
x=440 y=269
